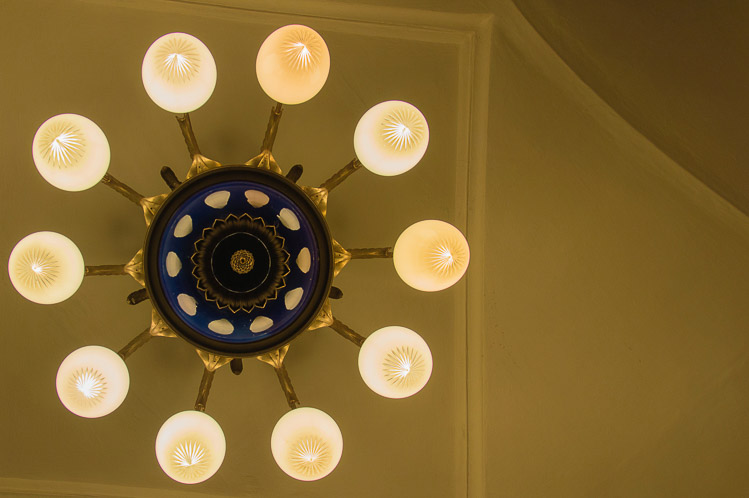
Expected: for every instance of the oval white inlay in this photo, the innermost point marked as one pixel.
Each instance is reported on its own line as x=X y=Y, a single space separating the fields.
x=188 y=304
x=184 y=226
x=173 y=264
x=223 y=326
x=292 y=298
x=289 y=219
x=304 y=260
x=256 y=198
x=260 y=324
x=218 y=199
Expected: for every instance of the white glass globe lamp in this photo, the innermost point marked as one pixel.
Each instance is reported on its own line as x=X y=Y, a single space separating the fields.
x=395 y=362
x=391 y=138
x=46 y=267
x=92 y=381
x=70 y=152
x=190 y=447
x=307 y=444
x=293 y=64
x=179 y=72
x=431 y=255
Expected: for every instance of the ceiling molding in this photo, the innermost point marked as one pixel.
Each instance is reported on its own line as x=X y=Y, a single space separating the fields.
x=477 y=59
x=518 y=30
x=32 y=487
x=351 y=18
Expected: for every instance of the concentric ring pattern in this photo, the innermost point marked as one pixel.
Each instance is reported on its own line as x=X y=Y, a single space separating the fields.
x=196 y=216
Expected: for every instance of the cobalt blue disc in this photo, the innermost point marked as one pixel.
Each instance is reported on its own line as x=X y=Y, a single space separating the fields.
x=238 y=261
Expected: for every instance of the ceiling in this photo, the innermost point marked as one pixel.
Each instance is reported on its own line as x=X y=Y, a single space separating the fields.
x=85 y=58
x=671 y=69
x=598 y=345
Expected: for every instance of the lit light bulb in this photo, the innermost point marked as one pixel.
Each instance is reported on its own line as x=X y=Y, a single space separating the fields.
x=46 y=267
x=431 y=255
x=190 y=447
x=307 y=444
x=391 y=138
x=293 y=64
x=395 y=362
x=179 y=72
x=92 y=381
x=70 y=152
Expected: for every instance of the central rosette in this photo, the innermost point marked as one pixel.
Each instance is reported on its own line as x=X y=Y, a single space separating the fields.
x=240 y=263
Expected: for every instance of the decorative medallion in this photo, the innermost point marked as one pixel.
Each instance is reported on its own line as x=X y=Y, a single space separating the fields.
x=240 y=263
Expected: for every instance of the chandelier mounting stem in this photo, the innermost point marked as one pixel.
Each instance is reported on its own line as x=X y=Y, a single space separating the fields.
x=136 y=343
x=121 y=188
x=295 y=173
x=347 y=332
x=186 y=126
x=138 y=296
x=371 y=252
x=236 y=366
x=335 y=293
x=170 y=178
x=204 y=390
x=101 y=270
x=270 y=132
x=341 y=175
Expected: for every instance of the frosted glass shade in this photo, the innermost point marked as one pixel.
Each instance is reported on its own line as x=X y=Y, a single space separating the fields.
x=179 y=72
x=293 y=64
x=92 y=381
x=70 y=152
x=431 y=255
x=307 y=444
x=395 y=362
x=190 y=447
x=46 y=267
x=391 y=138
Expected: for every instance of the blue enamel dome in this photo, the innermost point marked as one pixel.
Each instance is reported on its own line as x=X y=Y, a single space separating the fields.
x=210 y=210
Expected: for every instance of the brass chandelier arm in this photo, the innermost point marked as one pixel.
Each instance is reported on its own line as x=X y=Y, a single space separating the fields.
x=101 y=270
x=212 y=361
x=341 y=175
x=288 y=389
x=319 y=196
x=347 y=332
x=371 y=252
x=149 y=204
x=121 y=188
x=204 y=390
x=138 y=296
x=134 y=268
x=158 y=327
x=186 y=127
x=272 y=129
x=200 y=163
x=265 y=159
x=136 y=343
x=276 y=360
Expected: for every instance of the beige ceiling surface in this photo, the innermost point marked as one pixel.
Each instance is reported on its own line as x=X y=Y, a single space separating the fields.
x=617 y=332
x=85 y=58
x=615 y=283
x=675 y=70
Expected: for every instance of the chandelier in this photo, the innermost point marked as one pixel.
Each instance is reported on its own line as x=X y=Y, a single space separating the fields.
x=238 y=259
